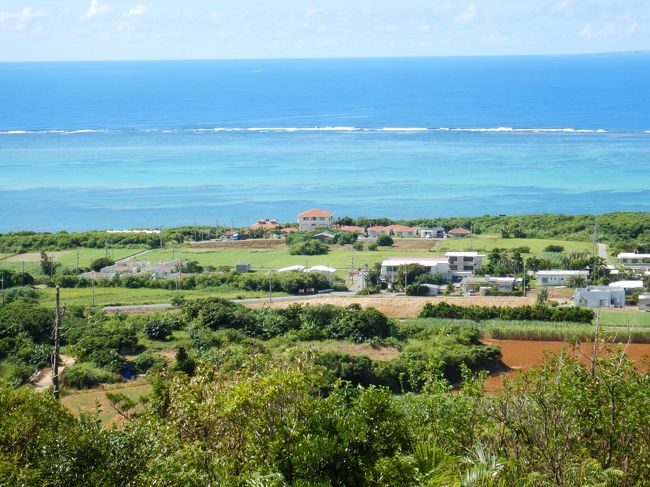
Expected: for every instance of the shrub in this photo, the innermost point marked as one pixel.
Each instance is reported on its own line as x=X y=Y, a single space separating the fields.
x=554 y=248
x=479 y=313
x=310 y=247
x=158 y=327
x=384 y=241
x=372 y=246
x=148 y=360
x=23 y=293
x=97 y=264
x=86 y=376
x=358 y=245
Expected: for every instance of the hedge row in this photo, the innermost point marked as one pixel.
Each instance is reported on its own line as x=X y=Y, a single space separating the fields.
x=526 y=313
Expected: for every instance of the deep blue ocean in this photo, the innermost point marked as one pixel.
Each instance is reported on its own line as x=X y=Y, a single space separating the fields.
x=145 y=144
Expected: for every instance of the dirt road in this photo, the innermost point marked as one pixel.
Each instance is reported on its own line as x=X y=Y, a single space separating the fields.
x=44 y=380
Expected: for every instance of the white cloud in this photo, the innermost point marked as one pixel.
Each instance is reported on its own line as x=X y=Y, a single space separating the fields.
x=138 y=10
x=605 y=30
x=633 y=27
x=467 y=15
x=96 y=9
x=18 y=19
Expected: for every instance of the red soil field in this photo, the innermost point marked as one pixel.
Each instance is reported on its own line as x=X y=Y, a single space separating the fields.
x=524 y=354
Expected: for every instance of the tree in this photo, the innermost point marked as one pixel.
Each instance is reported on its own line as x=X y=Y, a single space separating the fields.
x=542 y=295
x=48 y=266
x=407 y=274
x=310 y=247
x=358 y=245
x=191 y=267
x=158 y=327
x=576 y=281
x=100 y=263
x=384 y=241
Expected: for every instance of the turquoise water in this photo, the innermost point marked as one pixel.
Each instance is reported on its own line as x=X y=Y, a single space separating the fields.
x=118 y=145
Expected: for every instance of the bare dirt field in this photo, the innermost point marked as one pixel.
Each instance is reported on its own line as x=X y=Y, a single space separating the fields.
x=523 y=354
x=413 y=244
x=255 y=243
x=36 y=256
x=402 y=306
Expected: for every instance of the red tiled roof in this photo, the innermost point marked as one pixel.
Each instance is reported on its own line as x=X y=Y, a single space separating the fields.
x=265 y=226
x=400 y=228
x=315 y=212
x=351 y=228
x=377 y=229
x=460 y=231
x=289 y=230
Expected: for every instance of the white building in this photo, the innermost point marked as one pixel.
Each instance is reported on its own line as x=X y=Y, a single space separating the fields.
x=644 y=302
x=627 y=286
x=471 y=285
x=434 y=265
x=314 y=219
x=433 y=232
x=599 y=297
x=636 y=262
x=558 y=277
x=464 y=263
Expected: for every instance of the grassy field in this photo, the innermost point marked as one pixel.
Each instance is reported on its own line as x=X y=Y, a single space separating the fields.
x=342 y=257
x=67 y=258
x=109 y=296
x=539 y=330
x=624 y=317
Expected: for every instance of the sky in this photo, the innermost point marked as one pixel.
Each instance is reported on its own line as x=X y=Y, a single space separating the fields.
x=55 y=30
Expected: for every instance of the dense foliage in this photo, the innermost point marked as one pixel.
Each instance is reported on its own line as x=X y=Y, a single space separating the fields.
x=270 y=424
x=478 y=313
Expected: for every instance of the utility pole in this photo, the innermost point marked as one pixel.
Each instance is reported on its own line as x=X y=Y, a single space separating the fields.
x=2 y=290
x=93 y=293
x=161 y=237
x=77 y=261
x=524 y=280
x=57 y=343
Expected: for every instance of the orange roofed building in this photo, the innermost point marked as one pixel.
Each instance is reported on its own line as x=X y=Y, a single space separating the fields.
x=459 y=233
x=265 y=225
x=315 y=218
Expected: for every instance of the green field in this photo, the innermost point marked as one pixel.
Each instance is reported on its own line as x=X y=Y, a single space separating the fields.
x=342 y=257
x=485 y=243
x=624 y=317
x=67 y=258
x=109 y=296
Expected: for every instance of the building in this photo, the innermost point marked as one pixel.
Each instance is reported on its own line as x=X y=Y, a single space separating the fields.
x=314 y=219
x=434 y=265
x=599 y=297
x=293 y=268
x=433 y=232
x=268 y=225
x=627 y=286
x=472 y=285
x=401 y=231
x=376 y=231
x=323 y=236
x=352 y=228
x=321 y=269
x=464 y=263
x=644 y=302
x=637 y=262
x=288 y=230
x=459 y=233
x=558 y=277
x=243 y=266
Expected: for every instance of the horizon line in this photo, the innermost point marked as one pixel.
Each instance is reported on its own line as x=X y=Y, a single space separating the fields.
x=303 y=58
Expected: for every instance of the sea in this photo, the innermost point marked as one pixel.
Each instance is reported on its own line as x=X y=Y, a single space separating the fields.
x=118 y=145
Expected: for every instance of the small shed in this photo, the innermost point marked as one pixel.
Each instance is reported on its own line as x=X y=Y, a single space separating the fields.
x=323 y=236
x=243 y=266
x=644 y=302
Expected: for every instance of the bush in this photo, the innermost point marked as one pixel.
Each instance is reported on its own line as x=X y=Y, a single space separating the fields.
x=527 y=313
x=148 y=360
x=310 y=247
x=22 y=293
x=554 y=248
x=86 y=376
x=358 y=245
x=158 y=327
x=372 y=246
x=98 y=264
x=384 y=241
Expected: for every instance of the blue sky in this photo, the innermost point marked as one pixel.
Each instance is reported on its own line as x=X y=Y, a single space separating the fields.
x=201 y=29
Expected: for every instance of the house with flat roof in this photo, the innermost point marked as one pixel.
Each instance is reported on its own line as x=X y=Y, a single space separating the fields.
x=464 y=263
x=459 y=233
x=434 y=265
x=314 y=219
x=599 y=297
x=627 y=286
x=558 y=277
x=644 y=302
x=637 y=262
x=471 y=285
x=432 y=232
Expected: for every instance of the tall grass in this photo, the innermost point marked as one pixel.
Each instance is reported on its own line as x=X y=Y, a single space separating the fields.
x=528 y=330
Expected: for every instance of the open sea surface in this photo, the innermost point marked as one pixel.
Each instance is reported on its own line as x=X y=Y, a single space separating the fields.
x=149 y=144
